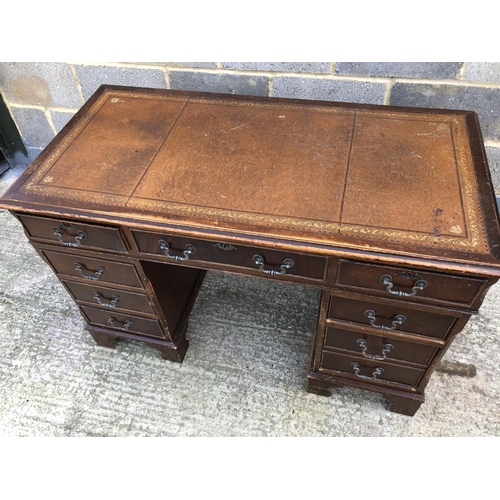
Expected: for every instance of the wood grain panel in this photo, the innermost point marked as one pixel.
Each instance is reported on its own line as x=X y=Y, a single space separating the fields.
x=122 y=322
x=309 y=266
x=332 y=361
x=96 y=236
x=419 y=322
x=126 y=300
x=114 y=272
x=445 y=288
x=341 y=338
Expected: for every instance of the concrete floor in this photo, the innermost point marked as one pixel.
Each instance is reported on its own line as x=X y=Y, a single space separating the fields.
x=244 y=373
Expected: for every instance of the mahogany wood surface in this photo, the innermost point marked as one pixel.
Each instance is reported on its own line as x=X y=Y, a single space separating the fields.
x=110 y=298
x=416 y=321
x=440 y=288
x=119 y=320
x=400 y=350
x=173 y=287
x=144 y=190
x=307 y=266
x=96 y=237
x=391 y=372
x=114 y=272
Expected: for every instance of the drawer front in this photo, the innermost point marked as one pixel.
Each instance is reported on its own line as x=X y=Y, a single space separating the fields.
x=109 y=298
x=122 y=322
x=73 y=234
x=369 y=371
x=271 y=262
x=93 y=270
x=393 y=316
x=407 y=283
x=371 y=346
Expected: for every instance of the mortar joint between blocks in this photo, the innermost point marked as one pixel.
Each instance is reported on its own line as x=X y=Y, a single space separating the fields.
x=77 y=82
x=166 y=77
x=388 y=89
x=461 y=72
x=332 y=75
x=48 y=117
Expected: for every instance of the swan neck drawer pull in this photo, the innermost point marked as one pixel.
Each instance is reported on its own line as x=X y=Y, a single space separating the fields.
x=377 y=371
x=95 y=276
x=258 y=260
x=190 y=249
x=385 y=350
x=397 y=321
x=117 y=324
x=386 y=280
x=101 y=300
x=60 y=232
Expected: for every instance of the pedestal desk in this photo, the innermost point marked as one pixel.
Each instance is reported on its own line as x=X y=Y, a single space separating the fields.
x=389 y=211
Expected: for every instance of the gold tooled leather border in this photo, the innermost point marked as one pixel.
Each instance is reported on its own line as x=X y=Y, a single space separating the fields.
x=475 y=242
x=233 y=216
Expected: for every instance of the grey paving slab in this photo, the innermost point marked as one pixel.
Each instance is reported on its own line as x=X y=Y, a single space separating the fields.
x=493 y=155
x=33 y=152
x=9 y=177
x=244 y=373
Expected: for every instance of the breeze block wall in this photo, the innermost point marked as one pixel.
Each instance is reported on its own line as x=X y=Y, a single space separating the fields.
x=42 y=97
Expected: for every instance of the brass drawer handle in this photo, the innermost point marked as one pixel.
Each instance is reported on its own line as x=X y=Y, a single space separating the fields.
x=377 y=371
x=385 y=350
x=101 y=300
x=96 y=275
x=124 y=326
x=398 y=320
x=259 y=261
x=386 y=280
x=81 y=235
x=190 y=249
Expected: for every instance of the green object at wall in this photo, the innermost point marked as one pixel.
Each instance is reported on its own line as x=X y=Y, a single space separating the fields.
x=11 y=144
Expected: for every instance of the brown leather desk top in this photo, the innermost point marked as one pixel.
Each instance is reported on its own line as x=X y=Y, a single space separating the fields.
x=325 y=176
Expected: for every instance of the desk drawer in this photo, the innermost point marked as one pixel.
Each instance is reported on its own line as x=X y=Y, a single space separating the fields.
x=366 y=345
x=93 y=270
x=369 y=371
x=390 y=316
x=408 y=284
x=122 y=322
x=109 y=298
x=270 y=262
x=73 y=234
